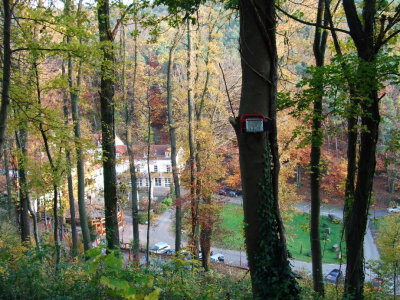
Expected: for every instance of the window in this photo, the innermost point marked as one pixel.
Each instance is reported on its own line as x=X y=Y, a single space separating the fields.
x=167 y=181
x=157 y=181
x=155 y=168
x=168 y=169
x=147 y=182
x=139 y=182
x=167 y=154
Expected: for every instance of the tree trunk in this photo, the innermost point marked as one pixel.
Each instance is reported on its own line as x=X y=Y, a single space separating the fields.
x=315 y=155
x=172 y=136
x=108 y=125
x=194 y=239
x=80 y=166
x=5 y=100
x=363 y=35
x=71 y=199
x=149 y=178
x=129 y=115
x=270 y=271
x=10 y=204
x=21 y=138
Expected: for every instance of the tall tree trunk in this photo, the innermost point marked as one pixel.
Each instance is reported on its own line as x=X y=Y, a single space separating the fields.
x=270 y=271
x=71 y=199
x=149 y=179
x=5 y=100
x=80 y=165
x=21 y=138
x=172 y=136
x=194 y=239
x=129 y=125
x=363 y=34
x=108 y=124
x=315 y=155
x=53 y=168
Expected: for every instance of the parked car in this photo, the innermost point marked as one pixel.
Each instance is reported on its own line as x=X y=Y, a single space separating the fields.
x=377 y=283
x=394 y=209
x=218 y=257
x=160 y=248
x=229 y=192
x=169 y=252
x=334 y=276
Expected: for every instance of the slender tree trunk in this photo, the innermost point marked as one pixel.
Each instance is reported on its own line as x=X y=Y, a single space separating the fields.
x=149 y=178
x=315 y=155
x=264 y=234
x=5 y=100
x=80 y=164
x=10 y=203
x=129 y=125
x=54 y=170
x=71 y=199
x=21 y=138
x=108 y=124
x=194 y=239
x=172 y=136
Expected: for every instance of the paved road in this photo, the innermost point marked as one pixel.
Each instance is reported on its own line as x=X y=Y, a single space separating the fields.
x=162 y=230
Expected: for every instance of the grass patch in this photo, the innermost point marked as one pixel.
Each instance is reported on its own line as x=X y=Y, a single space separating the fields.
x=230 y=233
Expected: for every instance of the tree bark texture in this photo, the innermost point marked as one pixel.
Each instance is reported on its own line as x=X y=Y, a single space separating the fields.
x=108 y=124
x=270 y=271
x=5 y=99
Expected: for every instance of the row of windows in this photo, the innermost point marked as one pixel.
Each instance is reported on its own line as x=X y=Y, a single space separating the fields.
x=155 y=169
x=157 y=182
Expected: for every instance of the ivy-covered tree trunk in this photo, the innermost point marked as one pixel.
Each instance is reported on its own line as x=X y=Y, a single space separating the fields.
x=172 y=137
x=270 y=271
x=108 y=124
x=315 y=155
x=6 y=65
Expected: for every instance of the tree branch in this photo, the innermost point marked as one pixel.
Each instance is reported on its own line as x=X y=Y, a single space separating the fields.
x=309 y=23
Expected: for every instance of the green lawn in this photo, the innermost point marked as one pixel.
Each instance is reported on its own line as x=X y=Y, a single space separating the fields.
x=230 y=233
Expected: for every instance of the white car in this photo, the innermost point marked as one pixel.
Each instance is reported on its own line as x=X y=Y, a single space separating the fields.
x=395 y=209
x=218 y=257
x=160 y=248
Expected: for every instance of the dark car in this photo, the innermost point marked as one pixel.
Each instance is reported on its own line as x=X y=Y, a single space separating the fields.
x=334 y=276
x=229 y=192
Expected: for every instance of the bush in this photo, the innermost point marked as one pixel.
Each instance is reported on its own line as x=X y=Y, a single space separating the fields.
x=160 y=208
x=167 y=202
x=143 y=218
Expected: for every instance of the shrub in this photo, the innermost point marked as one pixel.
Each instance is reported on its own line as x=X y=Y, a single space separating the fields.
x=167 y=202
